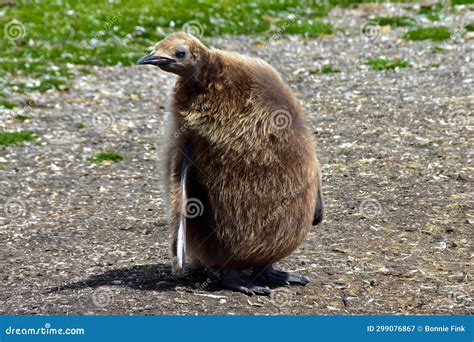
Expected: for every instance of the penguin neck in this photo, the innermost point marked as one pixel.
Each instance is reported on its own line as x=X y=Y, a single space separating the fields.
x=206 y=72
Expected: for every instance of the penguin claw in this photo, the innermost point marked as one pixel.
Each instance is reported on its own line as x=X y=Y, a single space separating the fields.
x=261 y=290
x=232 y=281
x=280 y=277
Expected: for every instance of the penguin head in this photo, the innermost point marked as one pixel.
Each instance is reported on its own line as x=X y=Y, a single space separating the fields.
x=179 y=53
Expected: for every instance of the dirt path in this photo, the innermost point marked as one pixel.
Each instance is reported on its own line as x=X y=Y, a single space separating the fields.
x=396 y=153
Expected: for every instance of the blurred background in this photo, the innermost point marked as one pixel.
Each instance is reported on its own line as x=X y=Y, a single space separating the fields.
x=43 y=39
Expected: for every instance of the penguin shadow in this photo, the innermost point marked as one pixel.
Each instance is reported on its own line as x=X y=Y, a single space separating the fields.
x=157 y=277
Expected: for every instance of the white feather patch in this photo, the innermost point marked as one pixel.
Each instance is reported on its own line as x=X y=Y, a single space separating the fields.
x=181 y=244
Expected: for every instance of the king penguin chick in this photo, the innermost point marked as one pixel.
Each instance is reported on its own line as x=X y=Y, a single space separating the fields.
x=243 y=181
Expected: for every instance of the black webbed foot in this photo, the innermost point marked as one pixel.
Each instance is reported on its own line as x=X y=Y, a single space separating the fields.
x=231 y=280
x=269 y=274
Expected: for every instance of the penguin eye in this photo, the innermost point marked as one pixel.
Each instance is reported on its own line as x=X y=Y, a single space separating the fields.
x=180 y=54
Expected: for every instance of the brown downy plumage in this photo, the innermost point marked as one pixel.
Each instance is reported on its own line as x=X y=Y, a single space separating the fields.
x=243 y=180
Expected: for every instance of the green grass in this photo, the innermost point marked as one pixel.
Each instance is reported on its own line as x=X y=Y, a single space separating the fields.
x=309 y=29
x=394 y=21
x=80 y=125
x=58 y=34
x=87 y=32
x=20 y=117
x=432 y=12
x=386 y=64
x=469 y=27
x=106 y=156
x=437 y=49
x=7 y=104
x=325 y=69
x=14 y=138
x=437 y=33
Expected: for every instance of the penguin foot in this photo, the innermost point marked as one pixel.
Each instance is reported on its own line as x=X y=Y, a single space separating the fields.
x=231 y=280
x=269 y=274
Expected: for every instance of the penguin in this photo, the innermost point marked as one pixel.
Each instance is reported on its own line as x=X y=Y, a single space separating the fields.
x=241 y=173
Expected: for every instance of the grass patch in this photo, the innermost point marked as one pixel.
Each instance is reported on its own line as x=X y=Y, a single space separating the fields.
x=394 y=21
x=7 y=104
x=386 y=64
x=437 y=49
x=309 y=29
x=469 y=27
x=325 y=69
x=431 y=12
x=14 y=138
x=80 y=125
x=106 y=156
x=428 y=33
x=53 y=35
x=20 y=117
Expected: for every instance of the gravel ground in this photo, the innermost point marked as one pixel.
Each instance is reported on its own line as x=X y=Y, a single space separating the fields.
x=396 y=154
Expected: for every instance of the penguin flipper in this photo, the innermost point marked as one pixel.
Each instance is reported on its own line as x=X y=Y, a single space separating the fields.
x=181 y=236
x=319 y=210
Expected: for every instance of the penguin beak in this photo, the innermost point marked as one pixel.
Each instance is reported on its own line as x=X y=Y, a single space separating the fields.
x=155 y=60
